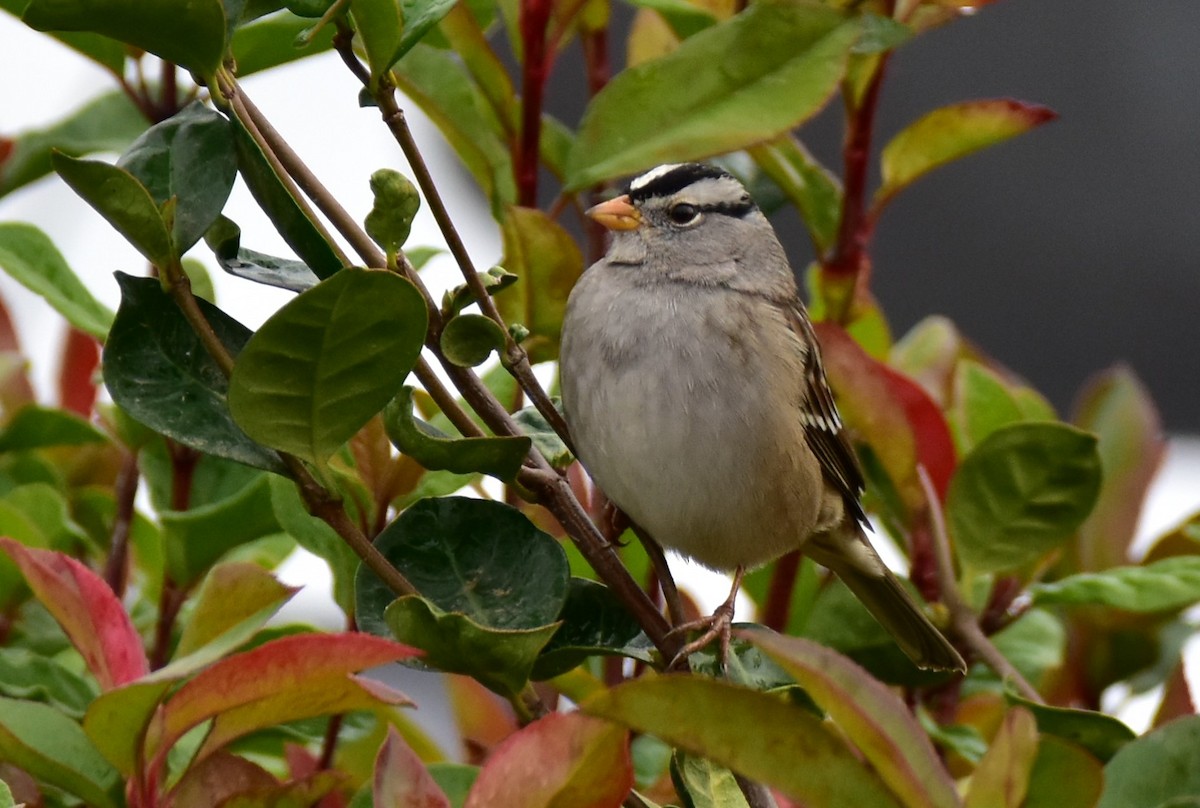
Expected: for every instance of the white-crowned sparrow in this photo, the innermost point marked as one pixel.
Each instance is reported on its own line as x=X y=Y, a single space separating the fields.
x=694 y=390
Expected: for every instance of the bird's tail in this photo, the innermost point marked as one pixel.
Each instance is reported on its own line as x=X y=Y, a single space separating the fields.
x=861 y=569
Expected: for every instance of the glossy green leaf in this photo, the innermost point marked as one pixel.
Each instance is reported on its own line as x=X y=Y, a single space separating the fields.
x=274 y=40
x=190 y=157
x=949 y=133
x=874 y=718
x=108 y=123
x=1118 y=408
x=123 y=202
x=701 y=783
x=224 y=239
x=455 y=779
x=390 y=219
x=548 y=262
x=34 y=677
x=499 y=456
x=34 y=427
x=982 y=404
x=438 y=83
x=495 y=280
x=1154 y=769
x=677 y=108
x=1100 y=734
x=326 y=362
x=812 y=188
x=475 y=557
x=757 y=734
x=379 y=24
x=157 y=370
x=594 y=621
x=559 y=760
x=190 y=34
x=1064 y=776
x=1021 y=493
x=31 y=258
x=749 y=666
x=316 y=536
x=1001 y=779
x=544 y=437
x=501 y=659
x=1172 y=583
x=300 y=232
x=50 y=746
x=469 y=339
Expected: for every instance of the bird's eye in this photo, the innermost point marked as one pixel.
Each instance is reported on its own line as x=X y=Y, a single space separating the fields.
x=683 y=213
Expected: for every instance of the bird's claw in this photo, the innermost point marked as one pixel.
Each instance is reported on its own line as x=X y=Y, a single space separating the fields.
x=717 y=626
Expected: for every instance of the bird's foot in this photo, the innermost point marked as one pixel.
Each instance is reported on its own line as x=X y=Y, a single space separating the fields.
x=717 y=626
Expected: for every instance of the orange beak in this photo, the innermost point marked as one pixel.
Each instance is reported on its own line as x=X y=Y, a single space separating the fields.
x=617 y=214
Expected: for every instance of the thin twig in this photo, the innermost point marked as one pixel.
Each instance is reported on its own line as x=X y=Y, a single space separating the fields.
x=963 y=619
x=124 y=492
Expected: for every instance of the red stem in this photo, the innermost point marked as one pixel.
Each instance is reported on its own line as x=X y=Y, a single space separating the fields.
x=598 y=71
x=116 y=571
x=779 y=594
x=534 y=19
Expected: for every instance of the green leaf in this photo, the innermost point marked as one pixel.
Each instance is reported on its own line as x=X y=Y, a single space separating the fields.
x=6 y=797
x=703 y=784
x=108 y=123
x=195 y=539
x=949 y=133
x=379 y=25
x=1156 y=769
x=191 y=34
x=1100 y=734
x=1063 y=776
x=455 y=779
x=982 y=404
x=594 y=621
x=224 y=239
x=678 y=108
x=157 y=370
x=326 y=362
x=1118 y=408
x=684 y=18
x=1035 y=644
x=30 y=257
x=51 y=747
x=475 y=557
x=189 y=157
x=495 y=280
x=1021 y=493
x=500 y=456
x=34 y=677
x=469 y=339
x=874 y=718
x=812 y=188
x=34 y=427
x=1169 y=584
x=233 y=598
x=438 y=83
x=546 y=440
x=500 y=659
x=396 y=204
x=316 y=536
x=290 y=220
x=1001 y=779
x=276 y=40
x=757 y=734
x=548 y=262
x=123 y=202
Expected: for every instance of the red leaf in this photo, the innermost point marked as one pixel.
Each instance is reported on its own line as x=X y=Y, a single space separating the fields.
x=935 y=445
x=87 y=610
x=76 y=387
x=401 y=779
x=561 y=759
x=300 y=676
x=483 y=719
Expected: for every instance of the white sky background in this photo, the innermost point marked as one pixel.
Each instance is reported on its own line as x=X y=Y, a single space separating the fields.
x=314 y=104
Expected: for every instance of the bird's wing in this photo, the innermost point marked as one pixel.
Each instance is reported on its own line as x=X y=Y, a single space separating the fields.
x=822 y=424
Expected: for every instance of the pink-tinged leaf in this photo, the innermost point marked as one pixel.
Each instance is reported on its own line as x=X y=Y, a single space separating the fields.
x=1116 y=407
x=935 y=446
x=15 y=388
x=233 y=594
x=401 y=779
x=87 y=610
x=1002 y=778
x=873 y=717
x=304 y=765
x=217 y=778
x=76 y=382
x=949 y=133
x=483 y=719
x=561 y=759
x=868 y=404
x=300 y=676
x=759 y=735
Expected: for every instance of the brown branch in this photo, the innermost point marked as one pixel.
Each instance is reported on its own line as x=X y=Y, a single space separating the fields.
x=116 y=568
x=963 y=619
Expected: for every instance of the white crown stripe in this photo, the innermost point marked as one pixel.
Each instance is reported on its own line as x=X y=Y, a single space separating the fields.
x=651 y=175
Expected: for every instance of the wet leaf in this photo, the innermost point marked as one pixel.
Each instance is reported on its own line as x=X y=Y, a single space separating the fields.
x=949 y=133
x=328 y=361
x=560 y=759
x=1021 y=493
x=677 y=108
x=756 y=734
